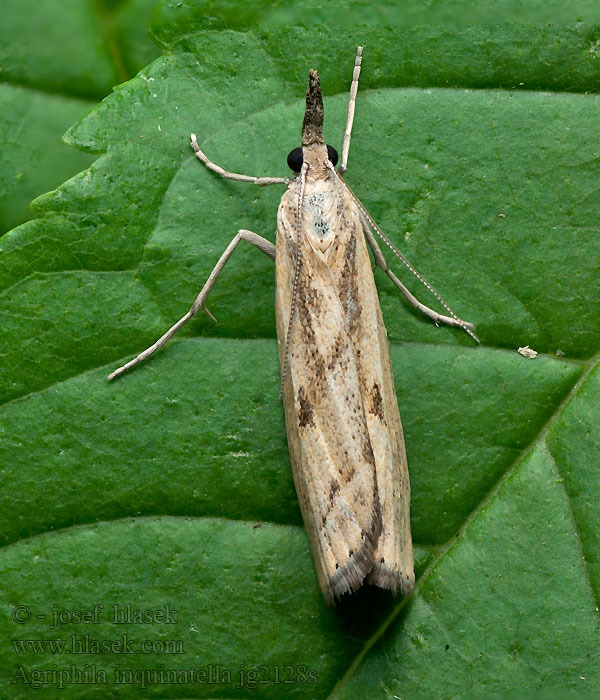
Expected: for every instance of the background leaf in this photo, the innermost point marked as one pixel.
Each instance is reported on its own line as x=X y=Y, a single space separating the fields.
x=57 y=60
x=477 y=151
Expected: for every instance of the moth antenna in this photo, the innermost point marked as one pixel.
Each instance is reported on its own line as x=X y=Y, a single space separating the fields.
x=288 y=334
x=401 y=257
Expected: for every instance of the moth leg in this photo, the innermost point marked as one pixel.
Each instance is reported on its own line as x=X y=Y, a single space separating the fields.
x=351 y=107
x=234 y=176
x=242 y=235
x=436 y=317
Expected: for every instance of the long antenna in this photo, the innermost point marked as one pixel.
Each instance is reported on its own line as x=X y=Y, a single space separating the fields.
x=401 y=257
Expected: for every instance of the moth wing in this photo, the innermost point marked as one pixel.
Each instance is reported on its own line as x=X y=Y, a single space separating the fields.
x=352 y=275
x=393 y=566
x=328 y=436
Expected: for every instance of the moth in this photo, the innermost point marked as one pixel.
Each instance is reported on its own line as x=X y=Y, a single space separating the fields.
x=343 y=425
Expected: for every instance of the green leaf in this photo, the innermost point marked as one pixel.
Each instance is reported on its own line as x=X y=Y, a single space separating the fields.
x=490 y=192
x=56 y=61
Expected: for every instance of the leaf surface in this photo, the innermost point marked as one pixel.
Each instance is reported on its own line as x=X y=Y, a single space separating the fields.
x=57 y=60
x=173 y=486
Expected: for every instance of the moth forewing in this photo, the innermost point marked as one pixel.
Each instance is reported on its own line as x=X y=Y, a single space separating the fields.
x=343 y=425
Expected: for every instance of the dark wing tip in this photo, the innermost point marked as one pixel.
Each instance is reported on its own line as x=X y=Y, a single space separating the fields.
x=394 y=581
x=349 y=578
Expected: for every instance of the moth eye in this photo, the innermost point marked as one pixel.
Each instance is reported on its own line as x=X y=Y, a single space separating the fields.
x=295 y=159
x=332 y=154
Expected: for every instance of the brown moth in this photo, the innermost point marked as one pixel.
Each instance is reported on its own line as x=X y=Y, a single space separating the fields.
x=343 y=426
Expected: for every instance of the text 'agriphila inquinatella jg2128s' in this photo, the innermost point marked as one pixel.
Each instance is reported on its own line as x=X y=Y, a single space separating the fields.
x=343 y=426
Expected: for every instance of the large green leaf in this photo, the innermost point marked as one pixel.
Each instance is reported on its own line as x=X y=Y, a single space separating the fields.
x=57 y=59
x=491 y=193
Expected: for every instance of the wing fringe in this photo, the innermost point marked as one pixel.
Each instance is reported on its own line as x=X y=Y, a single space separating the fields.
x=349 y=578
x=382 y=576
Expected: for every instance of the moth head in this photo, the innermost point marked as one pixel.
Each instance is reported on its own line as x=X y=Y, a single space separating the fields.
x=295 y=158
x=313 y=151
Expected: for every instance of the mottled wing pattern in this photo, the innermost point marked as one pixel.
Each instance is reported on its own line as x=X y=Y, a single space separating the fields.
x=393 y=566
x=334 y=466
x=342 y=419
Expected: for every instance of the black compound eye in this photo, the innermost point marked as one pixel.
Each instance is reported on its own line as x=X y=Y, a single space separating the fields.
x=332 y=154
x=295 y=159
